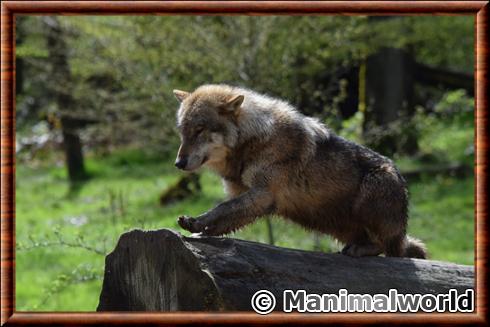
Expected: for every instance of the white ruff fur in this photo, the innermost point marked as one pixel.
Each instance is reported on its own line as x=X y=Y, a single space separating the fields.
x=259 y=116
x=259 y=113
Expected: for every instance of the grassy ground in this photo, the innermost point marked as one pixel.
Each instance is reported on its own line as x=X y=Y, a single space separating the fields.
x=62 y=233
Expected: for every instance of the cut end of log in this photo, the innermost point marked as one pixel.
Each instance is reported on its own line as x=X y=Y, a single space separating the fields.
x=156 y=271
x=162 y=270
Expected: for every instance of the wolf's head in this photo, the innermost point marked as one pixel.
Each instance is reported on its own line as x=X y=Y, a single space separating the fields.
x=206 y=121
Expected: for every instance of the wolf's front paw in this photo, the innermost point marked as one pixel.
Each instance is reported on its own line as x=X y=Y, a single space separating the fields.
x=190 y=224
x=210 y=231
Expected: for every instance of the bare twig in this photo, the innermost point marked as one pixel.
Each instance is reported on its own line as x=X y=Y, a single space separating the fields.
x=60 y=241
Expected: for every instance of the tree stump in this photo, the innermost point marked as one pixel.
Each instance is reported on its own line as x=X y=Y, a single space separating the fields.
x=162 y=270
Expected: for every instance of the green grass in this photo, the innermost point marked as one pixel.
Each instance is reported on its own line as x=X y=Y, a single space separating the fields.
x=442 y=214
x=54 y=223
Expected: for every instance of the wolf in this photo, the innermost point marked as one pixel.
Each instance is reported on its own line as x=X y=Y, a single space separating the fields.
x=273 y=160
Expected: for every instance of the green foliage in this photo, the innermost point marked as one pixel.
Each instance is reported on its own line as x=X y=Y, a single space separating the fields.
x=352 y=127
x=442 y=41
x=124 y=67
x=447 y=133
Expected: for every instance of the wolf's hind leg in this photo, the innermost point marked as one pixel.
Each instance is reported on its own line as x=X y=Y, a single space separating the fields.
x=382 y=208
x=362 y=250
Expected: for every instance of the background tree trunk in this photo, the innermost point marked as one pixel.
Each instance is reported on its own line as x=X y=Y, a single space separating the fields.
x=62 y=90
x=389 y=96
x=73 y=151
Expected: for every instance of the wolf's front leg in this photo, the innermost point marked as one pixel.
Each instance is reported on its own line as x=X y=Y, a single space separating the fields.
x=231 y=215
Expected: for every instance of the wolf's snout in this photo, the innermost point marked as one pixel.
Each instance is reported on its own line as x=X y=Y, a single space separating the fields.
x=181 y=162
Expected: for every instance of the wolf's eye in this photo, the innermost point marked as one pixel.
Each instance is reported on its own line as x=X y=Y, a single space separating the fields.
x=199 y=130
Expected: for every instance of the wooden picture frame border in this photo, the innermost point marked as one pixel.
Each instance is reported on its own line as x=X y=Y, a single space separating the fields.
x=9 y=9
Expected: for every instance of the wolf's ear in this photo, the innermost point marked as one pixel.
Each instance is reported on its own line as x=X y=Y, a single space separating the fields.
x=234 y=103
x=181 y=95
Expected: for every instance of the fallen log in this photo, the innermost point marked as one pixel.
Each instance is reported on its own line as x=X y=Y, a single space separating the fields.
x=164 y=271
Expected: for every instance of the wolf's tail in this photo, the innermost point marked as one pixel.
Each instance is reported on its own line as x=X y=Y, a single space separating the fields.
x=414 y=248
x=405 y=246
